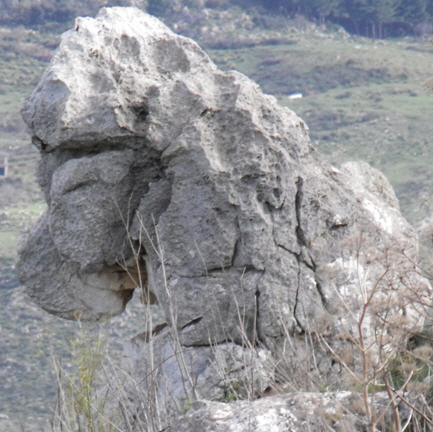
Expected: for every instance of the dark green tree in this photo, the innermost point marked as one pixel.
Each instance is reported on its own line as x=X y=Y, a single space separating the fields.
x=368 y=16
x=286 y=7
x=324 y=8
x=383 y=11
x=412 y=12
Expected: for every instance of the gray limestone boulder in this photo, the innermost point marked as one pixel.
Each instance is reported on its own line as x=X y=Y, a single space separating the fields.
x=292 y=412
x=163 y=172
x=171 y=376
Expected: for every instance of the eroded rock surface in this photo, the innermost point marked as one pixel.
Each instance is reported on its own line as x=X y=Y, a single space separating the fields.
x=152 y=158
x=292 y=412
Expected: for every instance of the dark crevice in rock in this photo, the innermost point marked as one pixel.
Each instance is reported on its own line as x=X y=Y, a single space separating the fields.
x=277 y=191
x=208 y=345
x=298 y=256
x=140 y=111
x=237 y=244
x=216 y=343
x=210 y=112
x=192 y=323
x=313 y=267
x=298 y=288
x=147 y=336
x=309 y=263
x=89 y=145
x=321 y=293
x=207 y=273
x=97 y=148
x=215 y=271
x=235 y=251
x=154 y=206
x=336 y=227
x=150 y=159
x=268 y=207
x=306 y=260
x=295 y=254
x=36 y=141
x=126 y=295
x=251 y=178
x=300 y=235
x=218 y=271
x=248 y=268
x=257 y=337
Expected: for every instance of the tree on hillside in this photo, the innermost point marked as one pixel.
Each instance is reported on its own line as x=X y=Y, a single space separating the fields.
x=323 y=8
x=370 y=14
x=287 y=7
x=383 y=12
x=412 y=12
x=350 y=9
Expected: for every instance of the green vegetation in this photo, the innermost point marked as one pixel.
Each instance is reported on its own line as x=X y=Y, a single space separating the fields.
x=16 y=220
x=76 y=399
x=372 y=18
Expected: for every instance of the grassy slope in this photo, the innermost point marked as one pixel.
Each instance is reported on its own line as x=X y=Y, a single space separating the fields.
x=362 y=100
x=25 y=332
x=23 y=57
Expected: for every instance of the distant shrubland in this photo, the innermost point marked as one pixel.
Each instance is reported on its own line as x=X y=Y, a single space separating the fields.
x=375 y=18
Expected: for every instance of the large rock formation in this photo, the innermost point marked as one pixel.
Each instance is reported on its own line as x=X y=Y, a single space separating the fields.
x=158 y=166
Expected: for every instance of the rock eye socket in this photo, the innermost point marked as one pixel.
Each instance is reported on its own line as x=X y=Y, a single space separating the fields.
x=141 y=112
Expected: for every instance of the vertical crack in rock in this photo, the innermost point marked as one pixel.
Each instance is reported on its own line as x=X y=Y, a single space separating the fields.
x=298 y=288
x=235 y=251
x=313 y=267
x=300 y=235
x=238 y=243
x=299 y=260
x=257 y=338
x=302 y=258
x=321 y=293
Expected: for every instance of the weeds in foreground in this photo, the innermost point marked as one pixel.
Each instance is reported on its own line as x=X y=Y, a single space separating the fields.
x=77 y=407
x=376 y=356
x=375 y=349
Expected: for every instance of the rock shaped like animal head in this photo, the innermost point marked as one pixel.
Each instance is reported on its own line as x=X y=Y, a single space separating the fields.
x=156 y=165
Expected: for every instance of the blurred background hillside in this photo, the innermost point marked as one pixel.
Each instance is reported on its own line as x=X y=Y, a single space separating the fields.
x=380 y=18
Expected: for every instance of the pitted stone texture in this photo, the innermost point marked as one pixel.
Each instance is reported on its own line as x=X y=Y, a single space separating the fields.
x=249 y=236
x=291 y=412
x=118 y=76
x=89 y=200
x=62 y=289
